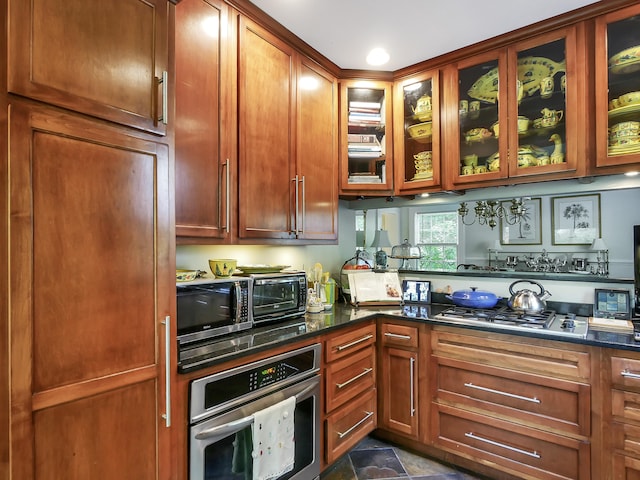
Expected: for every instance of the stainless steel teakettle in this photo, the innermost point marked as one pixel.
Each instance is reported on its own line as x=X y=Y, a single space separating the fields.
x=526 y=300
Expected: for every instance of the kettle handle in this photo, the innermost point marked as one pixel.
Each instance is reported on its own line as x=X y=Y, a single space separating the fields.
x=542 y=290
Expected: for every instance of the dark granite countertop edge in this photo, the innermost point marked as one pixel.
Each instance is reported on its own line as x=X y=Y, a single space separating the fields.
x=343 y=315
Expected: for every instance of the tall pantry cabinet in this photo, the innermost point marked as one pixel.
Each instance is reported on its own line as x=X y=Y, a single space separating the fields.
x=87 y=239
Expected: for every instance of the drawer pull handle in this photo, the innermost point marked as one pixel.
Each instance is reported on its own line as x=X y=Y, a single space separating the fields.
x=506 y=394
x=366 y=417
x=355 y=342
x=397 y=335
x=351 y=380
x=533 y=454
x=628 y=374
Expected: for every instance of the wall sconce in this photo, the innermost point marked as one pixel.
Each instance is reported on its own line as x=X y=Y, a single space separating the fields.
x=381 y=240
x=487 y=212
x=599 y=246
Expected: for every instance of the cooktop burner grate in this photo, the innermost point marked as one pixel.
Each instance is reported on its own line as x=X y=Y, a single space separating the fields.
x=501 y=315
x=547 y=322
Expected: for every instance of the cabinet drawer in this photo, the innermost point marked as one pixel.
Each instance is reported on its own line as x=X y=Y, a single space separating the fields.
x=350 y=376
x=626 y=468
x=531 y=355
x=514 y=448
x=350 y=424
x=625 y=372
x=625 y=405
x=399 y=335
x=541 y=402
x=626 y=437
x=338 y=346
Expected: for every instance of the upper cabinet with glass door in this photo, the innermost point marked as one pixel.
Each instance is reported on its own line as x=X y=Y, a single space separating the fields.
x=475 y=145
x=546 y=133
x=366 y=166
x=518 y=112
x=417 y=143
x=618 y=89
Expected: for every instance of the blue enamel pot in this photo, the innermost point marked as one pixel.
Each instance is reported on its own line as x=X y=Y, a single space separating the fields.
x=474 y=298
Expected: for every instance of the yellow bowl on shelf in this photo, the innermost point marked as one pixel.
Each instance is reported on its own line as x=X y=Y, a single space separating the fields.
x=626 y=61
x=630 y=98
x=223 y=268
x=421 y=131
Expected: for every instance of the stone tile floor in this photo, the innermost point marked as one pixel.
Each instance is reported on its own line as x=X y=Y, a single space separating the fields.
x=373 y=458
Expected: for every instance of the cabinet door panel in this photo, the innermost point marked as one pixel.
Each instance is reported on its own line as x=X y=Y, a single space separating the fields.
x=90 y=286
x=203 y=163
x=266 y=95
x=100 y=58
x=399 y=388
x=65 y=436
x=317 y=153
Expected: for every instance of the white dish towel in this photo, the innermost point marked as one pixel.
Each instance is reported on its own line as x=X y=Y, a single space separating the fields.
x=273 y=440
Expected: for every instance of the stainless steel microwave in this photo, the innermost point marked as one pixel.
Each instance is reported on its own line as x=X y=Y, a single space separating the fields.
x=211 y=308
x=277 y=296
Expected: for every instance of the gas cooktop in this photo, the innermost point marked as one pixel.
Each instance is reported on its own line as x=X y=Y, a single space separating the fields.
x=546 y=322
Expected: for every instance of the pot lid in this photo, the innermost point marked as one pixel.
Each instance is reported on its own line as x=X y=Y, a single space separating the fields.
x=406 y=250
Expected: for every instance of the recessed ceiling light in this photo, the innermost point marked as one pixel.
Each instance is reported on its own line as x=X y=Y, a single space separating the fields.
x=377 y=56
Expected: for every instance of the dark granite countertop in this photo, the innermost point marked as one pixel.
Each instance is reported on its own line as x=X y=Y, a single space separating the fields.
x=314 y=324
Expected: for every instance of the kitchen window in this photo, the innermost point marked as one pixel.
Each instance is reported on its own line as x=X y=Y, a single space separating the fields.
x=437 y=236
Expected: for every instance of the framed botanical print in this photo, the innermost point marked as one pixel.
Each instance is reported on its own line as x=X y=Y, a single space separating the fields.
x=575 y=219
x=528 y=231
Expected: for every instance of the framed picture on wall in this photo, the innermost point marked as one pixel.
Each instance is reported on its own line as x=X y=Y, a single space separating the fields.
x=528 y=231
x=575 y=220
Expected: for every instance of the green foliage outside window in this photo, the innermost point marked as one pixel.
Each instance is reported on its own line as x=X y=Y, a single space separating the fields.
x=437 y=236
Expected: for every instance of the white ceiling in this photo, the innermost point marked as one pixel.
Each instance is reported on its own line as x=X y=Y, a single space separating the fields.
x=411 y=31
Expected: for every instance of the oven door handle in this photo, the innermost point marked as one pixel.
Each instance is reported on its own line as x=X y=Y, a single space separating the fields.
x=226 y=429
x=237 y=425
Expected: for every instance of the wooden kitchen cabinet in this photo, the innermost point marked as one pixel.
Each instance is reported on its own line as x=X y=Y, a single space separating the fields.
x=621 y=419
x=532 y=127
x=523 y=405
x=350 y=389
x=205 y=131
x=287 y=141
x=417 y=134
x=90 y=299
x=104 y=59
x=400 y=370
x=366 y=138
x=617 y=91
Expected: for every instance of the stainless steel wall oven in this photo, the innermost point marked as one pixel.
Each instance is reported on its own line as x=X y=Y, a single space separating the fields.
x=222 y=407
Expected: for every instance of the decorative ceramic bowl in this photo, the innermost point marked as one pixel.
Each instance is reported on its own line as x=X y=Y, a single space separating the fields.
x=626 y=61
x=426 y=155
x=223 y=268
x=421 y=132
x=630 y=98
x=186 y=275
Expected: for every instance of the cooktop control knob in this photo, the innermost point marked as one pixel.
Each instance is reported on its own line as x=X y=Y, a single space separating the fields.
x=569 y=321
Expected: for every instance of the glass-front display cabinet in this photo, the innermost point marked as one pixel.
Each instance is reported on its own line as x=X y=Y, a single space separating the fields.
x=518 y=112
x=618 y=88
x=544 y=109
x=366 y=160
x=416 y=142
x=473 y=154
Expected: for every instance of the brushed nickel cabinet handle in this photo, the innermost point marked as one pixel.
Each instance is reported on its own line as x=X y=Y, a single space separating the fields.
x=397 y=335
x=506 y=394
x=304 y=204
x=351 y=380
x=366 y=417
x=164 y=83
x=533 y=454
x=167 y=370
x=355 y=342
x=412 y=364
x=627 y=374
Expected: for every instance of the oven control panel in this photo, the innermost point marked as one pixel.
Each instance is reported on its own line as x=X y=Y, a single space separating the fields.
x=229 y=388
